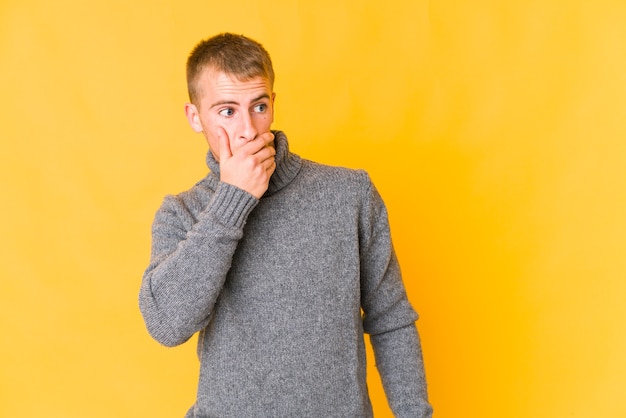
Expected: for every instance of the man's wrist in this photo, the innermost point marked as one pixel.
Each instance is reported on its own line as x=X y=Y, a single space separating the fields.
x=231 y=205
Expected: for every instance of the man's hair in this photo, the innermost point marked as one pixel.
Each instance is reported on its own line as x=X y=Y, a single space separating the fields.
x=234 y=55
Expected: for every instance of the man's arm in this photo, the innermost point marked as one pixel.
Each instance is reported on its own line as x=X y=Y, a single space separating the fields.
x=400 y=364
x=191 y=257
x=388 y=315
x=189 y=262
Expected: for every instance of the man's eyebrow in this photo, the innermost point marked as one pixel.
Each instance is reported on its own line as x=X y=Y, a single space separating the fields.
x=261 y=97
x=224 y=102
x=234 y=103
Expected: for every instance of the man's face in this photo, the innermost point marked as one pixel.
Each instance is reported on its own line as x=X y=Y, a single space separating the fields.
x=240 y=109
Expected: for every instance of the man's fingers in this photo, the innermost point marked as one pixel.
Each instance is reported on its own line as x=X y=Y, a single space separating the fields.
x=269 y=137
x=251 y=165
x=264 y=156
x=259 y=143
x=270 y=165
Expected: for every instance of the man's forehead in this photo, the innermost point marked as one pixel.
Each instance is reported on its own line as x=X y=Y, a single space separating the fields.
x=223 y=77
x=218 y=87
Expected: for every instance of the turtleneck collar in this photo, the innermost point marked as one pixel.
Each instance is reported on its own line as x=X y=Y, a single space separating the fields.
x=287 y=164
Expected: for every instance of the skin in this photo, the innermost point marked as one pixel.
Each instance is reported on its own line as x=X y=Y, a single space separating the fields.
x=235 y=118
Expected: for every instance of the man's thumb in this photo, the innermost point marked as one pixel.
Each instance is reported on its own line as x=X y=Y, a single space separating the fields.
x=224 y=144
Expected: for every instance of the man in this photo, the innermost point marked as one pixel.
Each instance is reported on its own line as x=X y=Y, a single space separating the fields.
x=281 y=264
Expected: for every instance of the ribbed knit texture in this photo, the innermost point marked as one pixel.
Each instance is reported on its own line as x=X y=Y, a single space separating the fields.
x=277 y=286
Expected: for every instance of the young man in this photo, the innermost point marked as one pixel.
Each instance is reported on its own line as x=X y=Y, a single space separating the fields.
x=281 y=264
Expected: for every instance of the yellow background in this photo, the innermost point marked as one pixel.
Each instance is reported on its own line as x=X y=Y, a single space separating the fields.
x=493 y=129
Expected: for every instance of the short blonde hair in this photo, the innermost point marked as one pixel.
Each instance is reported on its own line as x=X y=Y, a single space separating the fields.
x=235 y=55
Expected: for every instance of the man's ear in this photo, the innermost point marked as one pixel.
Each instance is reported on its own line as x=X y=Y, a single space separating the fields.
x=273 y=100
x=191 y=111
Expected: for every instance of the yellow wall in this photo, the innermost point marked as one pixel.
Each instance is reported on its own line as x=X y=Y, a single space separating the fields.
x=495 y=130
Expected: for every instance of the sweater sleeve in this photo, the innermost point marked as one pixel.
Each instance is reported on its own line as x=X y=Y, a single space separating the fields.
x=190 y=259
x=399 y=361
x=388 y=315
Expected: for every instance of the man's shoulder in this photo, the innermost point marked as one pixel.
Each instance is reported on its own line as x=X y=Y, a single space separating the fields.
x=195 y=197
x=325 y=172
x=335 y=182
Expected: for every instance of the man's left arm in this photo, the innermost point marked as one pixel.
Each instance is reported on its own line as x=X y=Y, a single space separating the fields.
x=389 y=318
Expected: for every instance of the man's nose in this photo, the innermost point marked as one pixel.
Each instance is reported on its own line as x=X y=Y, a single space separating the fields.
x=248 y=130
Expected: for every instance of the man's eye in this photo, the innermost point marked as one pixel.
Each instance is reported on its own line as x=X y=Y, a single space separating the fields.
x=260 y=108
x=227 y=112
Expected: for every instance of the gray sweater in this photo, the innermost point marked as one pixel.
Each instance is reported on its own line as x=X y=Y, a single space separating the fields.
x=281 y=290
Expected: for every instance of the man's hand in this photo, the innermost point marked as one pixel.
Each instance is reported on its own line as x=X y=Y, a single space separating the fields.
x=251 y=166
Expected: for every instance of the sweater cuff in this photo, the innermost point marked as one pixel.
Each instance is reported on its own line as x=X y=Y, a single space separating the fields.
x=231 y=205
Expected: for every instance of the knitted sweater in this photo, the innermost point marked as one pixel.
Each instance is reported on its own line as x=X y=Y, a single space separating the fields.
x=281 y=290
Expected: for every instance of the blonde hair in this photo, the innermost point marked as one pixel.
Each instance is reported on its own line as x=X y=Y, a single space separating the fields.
x=235 y=55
